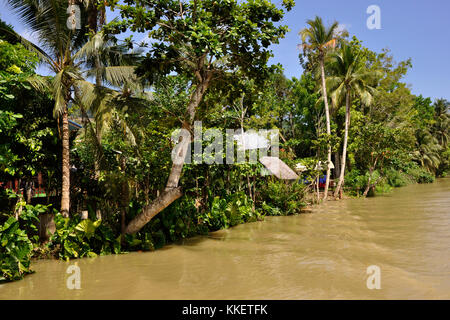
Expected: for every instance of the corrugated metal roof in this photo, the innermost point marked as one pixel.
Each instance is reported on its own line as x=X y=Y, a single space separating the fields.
x=278 y=168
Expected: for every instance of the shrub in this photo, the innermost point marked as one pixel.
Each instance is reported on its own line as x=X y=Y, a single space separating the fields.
x=229 y=211
x=179 y=221
x=283 y=198
x=15 y=251
x=76 y=238
x=396 y=178
x=355 y=182
x=240 y=209
x=420 y=175
x=383 y=187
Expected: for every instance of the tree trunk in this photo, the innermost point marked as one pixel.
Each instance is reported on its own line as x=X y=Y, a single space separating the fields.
x=98 y=131
x=172 y=192
x=337 y=165
x=65 y=190
x=97 y=164
x=29 y=185
x=151 y=210
x=125 y=201
x=318 y=189
x=371 y=186
x=344 y=149
x=19 y=207
x=46 y=226
x=366 y=191
x=327 y=115
x=92 y=16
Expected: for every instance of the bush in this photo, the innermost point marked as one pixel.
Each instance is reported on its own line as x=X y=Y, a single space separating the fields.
x=178 y=221
x=229 y=211
x=444 y=167
x=76 y=238
x=396 y=178
x=216 y=218
x=283 y=198
x=383 y=187
x=420 y=175
x=15 y=251
x=355 y=182
x=240 y=209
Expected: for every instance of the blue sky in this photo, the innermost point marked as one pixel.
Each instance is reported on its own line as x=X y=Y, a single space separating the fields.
x=416 y=29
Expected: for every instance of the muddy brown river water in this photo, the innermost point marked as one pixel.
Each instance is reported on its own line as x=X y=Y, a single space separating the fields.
x=320 y=255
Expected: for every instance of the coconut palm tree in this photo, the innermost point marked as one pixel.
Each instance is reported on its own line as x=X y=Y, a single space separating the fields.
x=427 y=152
x=65 y=51
x=112 y=68
x=47 y=19
x=349 y=79
x=442 y=117
x=318 y=39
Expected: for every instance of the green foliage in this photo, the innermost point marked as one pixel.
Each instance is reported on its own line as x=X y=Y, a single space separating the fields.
x=27 y=126
x=396 y=178
x=180 y=221
x=420 y=175
x=8 y=121
x=229 y=211
x=76 y=238
x=194 y=40
x=444 y=168
x=283 y=198
x=16 y=59
x=355 y=182
x=29 y=219
x=208 y=61
x=15 y=251
x=383 y=187
x=216 y=218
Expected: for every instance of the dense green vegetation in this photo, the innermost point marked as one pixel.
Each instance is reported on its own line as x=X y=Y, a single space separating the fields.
x=111 y=186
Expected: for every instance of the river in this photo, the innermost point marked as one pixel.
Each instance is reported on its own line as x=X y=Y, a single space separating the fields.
x=320 y=255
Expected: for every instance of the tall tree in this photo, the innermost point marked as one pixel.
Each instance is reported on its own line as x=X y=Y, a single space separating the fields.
x=48 y=20
x=349 y=79
x=427 y=150
x=68 y=53
x=319 y=39
x=442 y=122
x=205 y=41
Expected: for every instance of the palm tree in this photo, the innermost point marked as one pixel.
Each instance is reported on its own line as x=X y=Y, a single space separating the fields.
x=350 y=78
x=441 y=126
x=111 y=66
x=319 y=39
x=48 y=20
x=427 y=152
x=65 y=52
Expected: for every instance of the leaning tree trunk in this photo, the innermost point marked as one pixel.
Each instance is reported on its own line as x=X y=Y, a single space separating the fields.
x=172 y=191
x=366 y=191
x=65 y=197
x=344 y=149
x=327 y=116
x=370 y=185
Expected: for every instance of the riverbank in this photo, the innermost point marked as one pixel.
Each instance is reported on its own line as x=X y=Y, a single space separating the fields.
x=323 y=255
x=74 y=234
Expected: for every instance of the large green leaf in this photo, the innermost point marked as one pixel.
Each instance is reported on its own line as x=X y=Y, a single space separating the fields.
x=87 y=227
